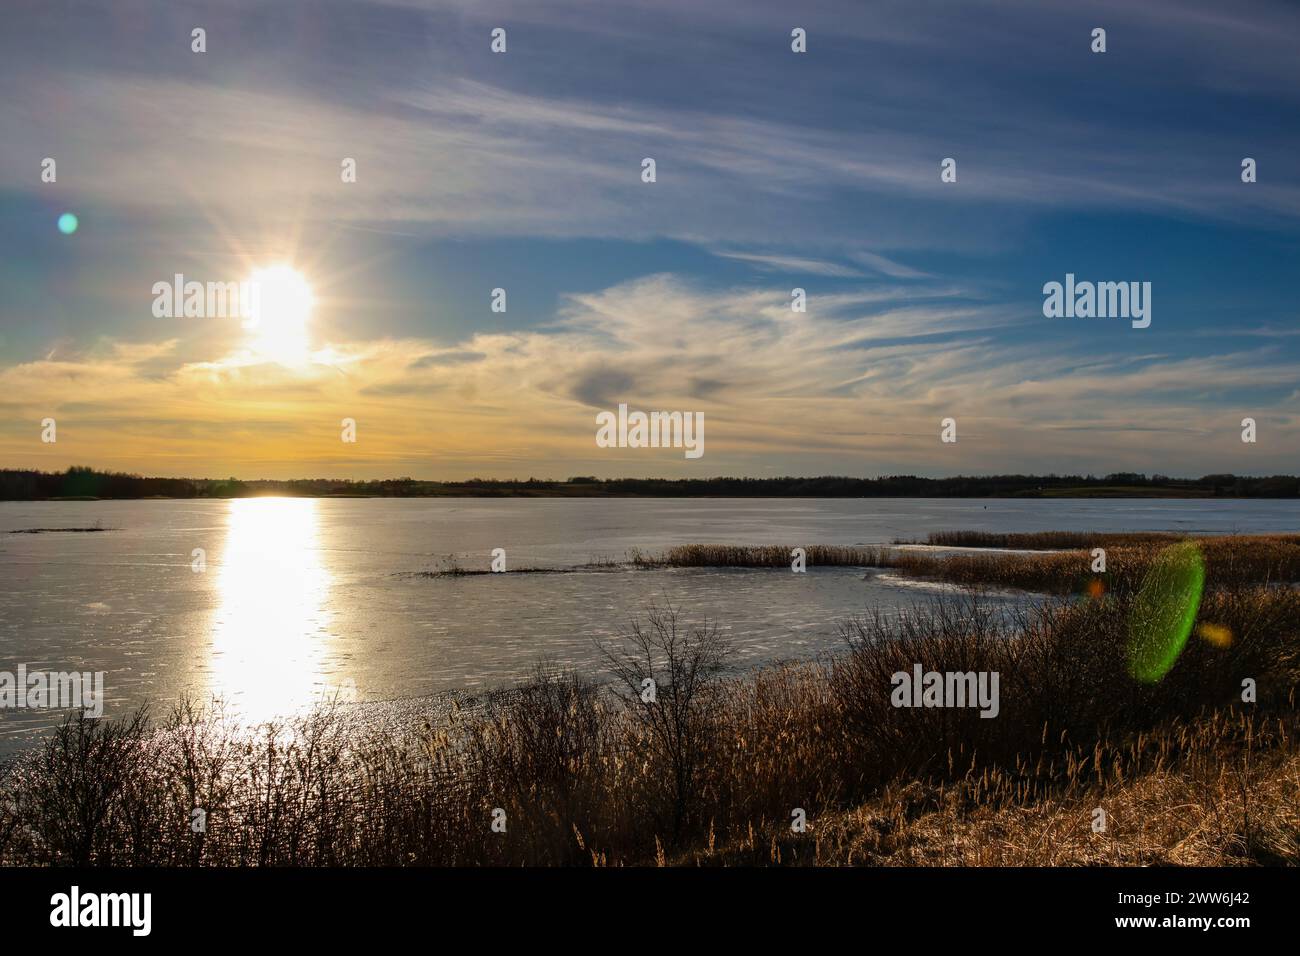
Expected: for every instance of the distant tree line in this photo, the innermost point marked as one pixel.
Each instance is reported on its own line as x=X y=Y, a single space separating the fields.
x=82 y=482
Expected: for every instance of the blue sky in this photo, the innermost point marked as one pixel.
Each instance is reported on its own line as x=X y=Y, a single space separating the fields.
x=775 y=170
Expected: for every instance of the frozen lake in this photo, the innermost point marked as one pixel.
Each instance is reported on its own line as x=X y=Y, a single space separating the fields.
x=300 y=595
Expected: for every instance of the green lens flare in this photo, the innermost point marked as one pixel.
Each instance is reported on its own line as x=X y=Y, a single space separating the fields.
x=67 y=223
x=1164 y=611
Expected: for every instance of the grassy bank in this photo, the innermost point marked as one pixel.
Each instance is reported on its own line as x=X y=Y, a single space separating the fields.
x=714 y=768
x=1047 y=540
x=1228 y=559
x=1221 y=790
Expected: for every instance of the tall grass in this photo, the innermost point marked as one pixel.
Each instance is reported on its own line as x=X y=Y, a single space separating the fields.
x=1047 y=540
x=711 y=771
x=1229 y=560
x=762 y=556
x=1213 y=790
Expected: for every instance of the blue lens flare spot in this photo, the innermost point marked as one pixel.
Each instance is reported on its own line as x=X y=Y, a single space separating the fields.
x=67 y=224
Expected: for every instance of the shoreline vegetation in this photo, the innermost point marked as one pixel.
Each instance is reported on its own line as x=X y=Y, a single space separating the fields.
x=1021 y=562
x=1186 y=769
x=60 y=530
x=87 y=484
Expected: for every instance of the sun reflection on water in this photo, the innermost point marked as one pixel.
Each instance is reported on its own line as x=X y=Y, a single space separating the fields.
x=271 y=630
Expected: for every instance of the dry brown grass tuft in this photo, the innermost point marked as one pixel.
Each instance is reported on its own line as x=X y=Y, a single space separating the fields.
x=763 y=556
x=1048 y=540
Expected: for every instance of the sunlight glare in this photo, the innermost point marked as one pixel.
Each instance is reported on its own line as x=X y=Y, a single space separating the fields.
x=279 y=314
x=271 y=630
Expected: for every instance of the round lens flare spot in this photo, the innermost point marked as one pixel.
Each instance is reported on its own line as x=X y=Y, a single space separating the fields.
x=1164 y=611
x=67 y=223
x=1096 y=589
x=1215 y=634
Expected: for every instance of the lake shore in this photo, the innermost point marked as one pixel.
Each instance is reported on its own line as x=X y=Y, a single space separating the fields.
x=814 y=762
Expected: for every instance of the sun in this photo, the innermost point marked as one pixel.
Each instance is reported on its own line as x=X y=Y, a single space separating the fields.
x=281 y=307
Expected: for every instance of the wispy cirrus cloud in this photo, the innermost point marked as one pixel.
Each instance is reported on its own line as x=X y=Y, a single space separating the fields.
x=823 y=385
x=775 y=170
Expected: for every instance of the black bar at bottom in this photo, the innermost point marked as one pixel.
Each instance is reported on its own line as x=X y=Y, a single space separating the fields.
x=299 y=906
